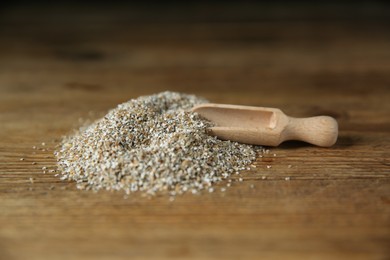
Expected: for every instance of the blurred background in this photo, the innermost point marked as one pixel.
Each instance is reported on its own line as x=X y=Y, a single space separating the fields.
x=275 y=53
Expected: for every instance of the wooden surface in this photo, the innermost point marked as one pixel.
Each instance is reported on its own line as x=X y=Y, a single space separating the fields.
x=59 y=63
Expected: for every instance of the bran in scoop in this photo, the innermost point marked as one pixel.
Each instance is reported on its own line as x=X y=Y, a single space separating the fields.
x=151 y=144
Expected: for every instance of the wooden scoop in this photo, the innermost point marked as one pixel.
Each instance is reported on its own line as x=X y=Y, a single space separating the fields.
x=266 y=126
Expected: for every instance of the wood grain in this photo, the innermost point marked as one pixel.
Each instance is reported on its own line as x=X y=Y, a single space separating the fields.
x=61 y=63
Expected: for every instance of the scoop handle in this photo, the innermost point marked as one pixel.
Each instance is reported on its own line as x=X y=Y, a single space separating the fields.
x=318 y=130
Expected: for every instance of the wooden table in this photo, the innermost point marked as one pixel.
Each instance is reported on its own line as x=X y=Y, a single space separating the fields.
x=59 y=63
